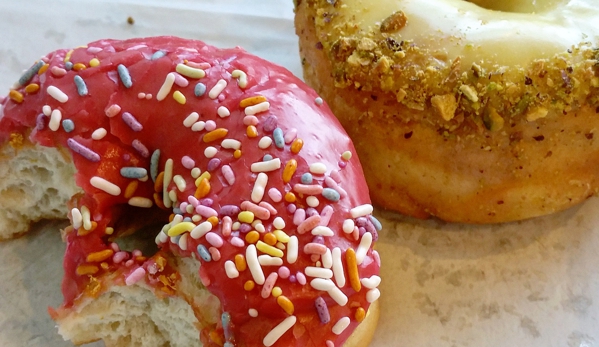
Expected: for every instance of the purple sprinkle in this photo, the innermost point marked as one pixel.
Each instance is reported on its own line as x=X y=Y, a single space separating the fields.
x=270 y=124
x=229 y=210
x=40 y=122
x=370 y=227
x=207 y=202
x=311 y=211
x=318 y=239
x=245 y=228
x=361 y=231
x=143 y=150
x=375 y=235
x=342 y=164
x=213 y=164
x=361 y=221
x=131 y=121
x=323 y=310
x=82 y=150
x=292 y=278
x=291 y=208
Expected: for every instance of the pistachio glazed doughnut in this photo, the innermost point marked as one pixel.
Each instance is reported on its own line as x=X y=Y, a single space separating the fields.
x=252 y=175
x=470 y=111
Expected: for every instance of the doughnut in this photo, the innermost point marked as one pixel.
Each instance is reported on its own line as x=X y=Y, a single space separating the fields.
x=468 y=111
x=266 y=230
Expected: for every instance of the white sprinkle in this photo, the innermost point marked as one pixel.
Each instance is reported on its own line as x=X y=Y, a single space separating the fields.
x=312 y=201
x=191 y=119
x=180 y=182
x=257 y=224
x=267 y=260
x=313 y=271
x=264 y=142
x=346 y=155
x=105 y=185
x=261 y=107
x=230 y=144
x=327 y=259
x=322 y=284
x=372 y=295
x=183 y=241
x=337 y=295
x=200 y=230
x=55 y=120
x=77 y=218
x=259 y=186
x=139 y=201
x=210 y=152
x=338 y=271
x=99 y=134
x=341 y=325
x=189 y=71
x=371 y=282
x=231 y=270
x=166 y=87
x=279 y=223
x=322 y=231
x=86 y=217
x=253 y=312
x=266 y=166
x=223 y=112
x=361 y=211
x=348 y=226
x=217 y=89
x=364 y=246
x=47 y=110
x=196 y=172
x=292 y=249
x=198 y=126
x=168 y=176
x=278 y=331
x=318 y=168
x=172 y=195
x=57 y=94
x=251 y=256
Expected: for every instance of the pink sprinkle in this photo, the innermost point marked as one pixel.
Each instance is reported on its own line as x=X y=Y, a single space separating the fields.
x=342 y=164
x=259 y=212
x=250 y=120
x=58 y=71
x=269 y=284
x=137 y=275
x=205 y=211
x=214 y=253
x=315 y=248
x=193 y=201
x=183 y=206
x=284 y=272
x=221 y=97
x=112 y=110
x=291 y=208
x=237 y=242
x=290 y=135
x=356 y=233
x=301 y=279
x=330 y=182
x=273 y=211
x=210 y=125
x=94 y=50
x=299 y=216
x=204 y=278
x=214 y=239
x=228 y=174
x=377 y=258
x=227 y=223
x=314 y=258
x=202 y=66
x=148 y=96
x=187 y=162
x=336 y=176
x=141 y=95
x=118 y=257
x=330 y=343
x=129 y=263
x=180 y=80
x=115 y=247
x=308 y=224
x=136 y=253
x=325 y=215
x=275 y=194
x=308 y=189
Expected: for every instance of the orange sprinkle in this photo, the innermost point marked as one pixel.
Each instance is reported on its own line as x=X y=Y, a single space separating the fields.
x=252 y=100
x=86 y=269
x=285 y=304
x=141 y=259
x=97 y=257
x=205 y=175
x=216 y=338
x=289 y=170
x=82 y=231
x=215 y=134
x=104 y=265
x=159 y=182
x=352 y=269
x=130 y=190
x=249 y=285
x=237 y=154
x=251 y=131
x=297 y=145
x=360 y=314
x=203 y=189
x=252 y=237
x=43 y=69
x=270 y=239
x=213 y=220
x=79 y=67
x=32 y=88
x=158 y=201
x=15 y=96
x=290 y=197
x=240 y=263
x=171 y=217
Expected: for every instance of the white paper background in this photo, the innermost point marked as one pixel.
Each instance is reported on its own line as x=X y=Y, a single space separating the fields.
x=533 y=283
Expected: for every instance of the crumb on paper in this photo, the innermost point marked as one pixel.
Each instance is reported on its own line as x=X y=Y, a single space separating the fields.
x=130 y=20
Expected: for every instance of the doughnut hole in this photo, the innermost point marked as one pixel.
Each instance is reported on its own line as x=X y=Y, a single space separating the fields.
x=519 y=6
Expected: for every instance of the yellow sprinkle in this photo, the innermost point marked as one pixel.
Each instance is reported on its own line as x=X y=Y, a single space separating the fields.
x=281 y=236
x=252 y=100
x=249 y=285
x=94 y=62
x=189 y=71
x=179 y=97
x=251 y=131
x=297 y=145
x=67 y=57
x=79 y=67
x=346 y=155
x=270 y=250
x=180 y=228
x=289 y=170
x=83 y=270
x=290 y=197
x=276 y=292
x=109 y=230
x=32 y=88
x=43 y=69
x=104 y=265
x=205 y=175
x=352 y=269
x=213 y=220
x=360 y=314
x=237 y=154
x=245 y=217
x=97 y=257
x=240 y=263
x=252 y=237
x=203 y=189
x=285 y=304
x=15 y=96
x=270 y=239
x=130 y=190
x=215 y=134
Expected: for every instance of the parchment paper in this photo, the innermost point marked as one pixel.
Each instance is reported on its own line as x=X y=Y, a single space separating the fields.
x=532 y=283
